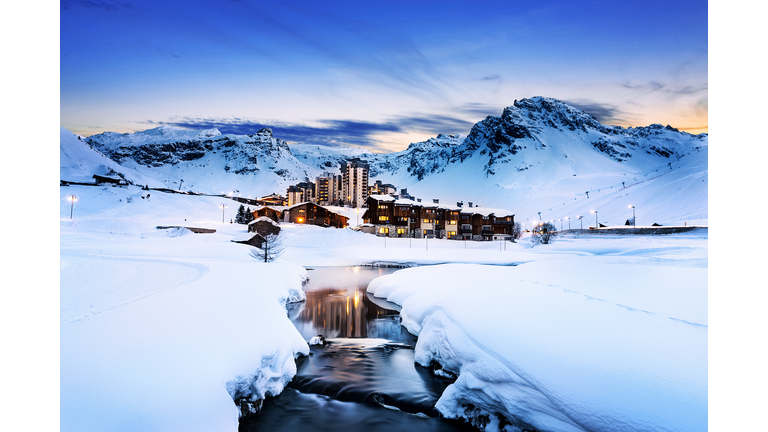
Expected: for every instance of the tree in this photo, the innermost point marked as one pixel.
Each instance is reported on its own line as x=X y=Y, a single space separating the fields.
x=544 y=234
x=240 y=214
x=247 y=216
x=271 y=248
x=517 y=231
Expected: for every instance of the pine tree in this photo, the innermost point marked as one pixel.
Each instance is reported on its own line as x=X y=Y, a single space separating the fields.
x=248 y=216
x=240 y=214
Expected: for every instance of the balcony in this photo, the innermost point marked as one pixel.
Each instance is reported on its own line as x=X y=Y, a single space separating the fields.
x=466 y=230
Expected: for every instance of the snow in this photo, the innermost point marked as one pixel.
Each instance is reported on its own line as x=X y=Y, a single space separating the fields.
x=602 y=334
x=161 y=331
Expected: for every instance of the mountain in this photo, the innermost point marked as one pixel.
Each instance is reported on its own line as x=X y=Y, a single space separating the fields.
x=78 y=162
x=206 y=161
x=540 y=156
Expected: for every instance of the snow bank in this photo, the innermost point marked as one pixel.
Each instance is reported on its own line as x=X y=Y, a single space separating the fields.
x=163 y=332
x=562 y=345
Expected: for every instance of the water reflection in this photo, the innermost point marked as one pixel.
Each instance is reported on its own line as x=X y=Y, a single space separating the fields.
x=338 y=306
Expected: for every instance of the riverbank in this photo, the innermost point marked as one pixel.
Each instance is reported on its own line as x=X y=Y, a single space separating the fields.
x=159 y=329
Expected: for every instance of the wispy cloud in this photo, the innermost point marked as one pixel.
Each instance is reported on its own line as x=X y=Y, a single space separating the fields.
x=110 y=6
x=672 y=91
x=330 y=132
x=604 y=113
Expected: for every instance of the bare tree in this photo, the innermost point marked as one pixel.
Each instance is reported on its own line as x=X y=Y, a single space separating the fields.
x=517 y=231
x=271 y=248
x=544 y=234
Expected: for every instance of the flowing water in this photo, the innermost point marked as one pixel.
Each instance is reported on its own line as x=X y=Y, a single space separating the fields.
x=365 y=377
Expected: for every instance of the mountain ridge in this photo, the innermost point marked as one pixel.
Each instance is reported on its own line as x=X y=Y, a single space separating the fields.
x=537 y=149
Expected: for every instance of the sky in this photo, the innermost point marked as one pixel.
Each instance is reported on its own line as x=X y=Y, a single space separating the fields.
x=377 y=75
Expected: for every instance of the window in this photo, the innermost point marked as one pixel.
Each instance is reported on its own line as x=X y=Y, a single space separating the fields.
x=383 y=218
x=453 y=222
x=426 y=221
x=383 y=230
x=401 y=230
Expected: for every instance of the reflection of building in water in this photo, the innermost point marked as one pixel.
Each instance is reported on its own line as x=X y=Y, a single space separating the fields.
x=340 y=312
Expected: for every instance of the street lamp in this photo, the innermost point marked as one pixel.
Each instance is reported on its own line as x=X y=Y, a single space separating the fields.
x=72 y=199
x=581 y=224
x=634 y=222
x=357 y=210
x=569 y=222
x=561 y=224
x=597 y=226
x=222 y=207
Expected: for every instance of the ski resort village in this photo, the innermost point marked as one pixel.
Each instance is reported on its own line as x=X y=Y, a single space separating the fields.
x=545 y=272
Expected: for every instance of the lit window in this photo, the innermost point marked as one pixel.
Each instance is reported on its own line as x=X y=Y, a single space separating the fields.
x=383 y=230
x=383 y=218
x=453 y=222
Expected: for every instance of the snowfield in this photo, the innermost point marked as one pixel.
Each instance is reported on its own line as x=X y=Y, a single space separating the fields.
x=162 y=328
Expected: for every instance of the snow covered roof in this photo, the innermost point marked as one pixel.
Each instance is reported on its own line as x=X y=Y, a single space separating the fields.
x=308 y=202
x=486 y=211
x=262 y=219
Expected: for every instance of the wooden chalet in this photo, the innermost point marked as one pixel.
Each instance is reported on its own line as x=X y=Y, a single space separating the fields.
x=313 y=214
x=394 y=217
x=274 y=200
x=275 y=213
x=264 y=226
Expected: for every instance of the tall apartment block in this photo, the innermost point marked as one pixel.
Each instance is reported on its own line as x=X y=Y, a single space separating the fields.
x=354 y=175
x=328 y=189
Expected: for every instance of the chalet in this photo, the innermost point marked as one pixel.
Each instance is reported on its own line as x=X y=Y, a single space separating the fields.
x=397 y=217
x=273 y=212
x=313 y=214
x=101 y=180
x=264 y=226
x=274 y=200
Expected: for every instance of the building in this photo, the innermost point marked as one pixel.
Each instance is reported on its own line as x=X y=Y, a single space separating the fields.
x=354 y=173
x=274 y=200
x=397 y=217
x=379 y=188
x=275 y=213
x=328 y=189
x=264 y=226
x=313 y=214
x=302 y=192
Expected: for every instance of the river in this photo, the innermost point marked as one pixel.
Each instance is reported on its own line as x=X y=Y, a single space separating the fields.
x=365 y=377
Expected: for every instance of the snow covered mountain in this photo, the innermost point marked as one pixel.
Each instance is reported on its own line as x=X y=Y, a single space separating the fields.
x=541 y=157
x=206 y=161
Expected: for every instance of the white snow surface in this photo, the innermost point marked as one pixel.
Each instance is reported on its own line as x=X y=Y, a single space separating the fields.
x=607 y=337
x=161 y=328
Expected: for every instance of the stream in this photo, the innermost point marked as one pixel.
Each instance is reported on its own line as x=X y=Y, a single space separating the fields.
x=365 y=377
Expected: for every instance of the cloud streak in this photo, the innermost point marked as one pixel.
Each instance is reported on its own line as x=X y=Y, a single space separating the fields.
x=330 y=132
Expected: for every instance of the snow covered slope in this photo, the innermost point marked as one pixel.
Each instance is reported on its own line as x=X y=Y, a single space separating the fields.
x=207 y=161
x=540 y=156
x=79 y=162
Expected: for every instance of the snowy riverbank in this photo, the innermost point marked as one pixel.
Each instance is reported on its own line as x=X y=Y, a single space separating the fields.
x=161 y=328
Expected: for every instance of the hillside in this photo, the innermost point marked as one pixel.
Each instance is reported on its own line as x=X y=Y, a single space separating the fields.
x=540 y=156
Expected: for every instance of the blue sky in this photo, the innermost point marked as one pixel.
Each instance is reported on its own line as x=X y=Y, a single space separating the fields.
x=379 y=75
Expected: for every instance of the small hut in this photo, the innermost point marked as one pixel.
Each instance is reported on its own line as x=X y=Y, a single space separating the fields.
x=264 y=226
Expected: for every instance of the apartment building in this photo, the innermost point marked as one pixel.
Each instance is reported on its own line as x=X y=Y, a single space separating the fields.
x=397 y=217
x=354 y=173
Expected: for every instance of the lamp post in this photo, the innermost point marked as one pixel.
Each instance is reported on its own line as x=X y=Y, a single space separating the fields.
x=561 y=224
x=581 y=224
x=357 y=210
x=597 y=225
x=569 y=222
x=72 y=199
x=222 y=207
x=634 y=222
